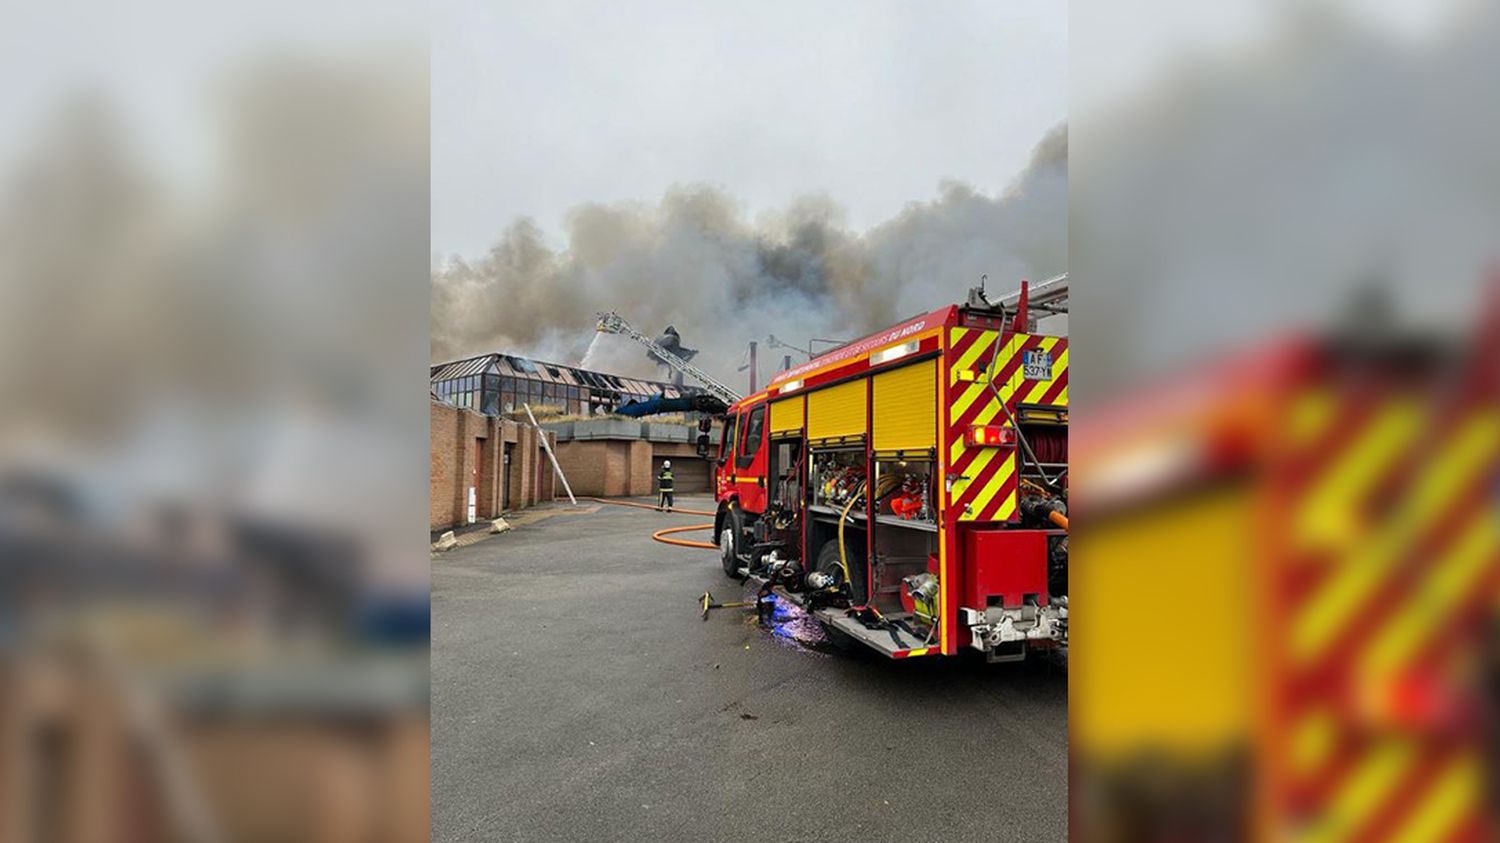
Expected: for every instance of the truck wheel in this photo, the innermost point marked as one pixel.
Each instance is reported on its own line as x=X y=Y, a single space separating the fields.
x=729 y=542
x=828 y=561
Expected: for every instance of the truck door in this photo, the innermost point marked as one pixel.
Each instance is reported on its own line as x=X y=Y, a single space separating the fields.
x=724 y=467
x=750 y=461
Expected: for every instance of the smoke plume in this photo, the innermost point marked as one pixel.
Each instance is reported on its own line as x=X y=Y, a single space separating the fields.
x=695 y=261
x=1271 y=185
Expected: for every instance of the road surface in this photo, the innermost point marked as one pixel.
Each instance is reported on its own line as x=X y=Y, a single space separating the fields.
x=577 y=695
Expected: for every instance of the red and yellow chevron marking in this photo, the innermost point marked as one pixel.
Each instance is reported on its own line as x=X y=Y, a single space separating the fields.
x=1390 y=571
x=985 y=369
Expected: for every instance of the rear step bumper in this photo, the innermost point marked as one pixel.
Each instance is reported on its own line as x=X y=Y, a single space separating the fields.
x=892 y=642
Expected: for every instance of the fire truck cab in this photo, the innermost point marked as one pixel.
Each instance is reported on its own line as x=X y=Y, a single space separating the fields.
x=909 y=489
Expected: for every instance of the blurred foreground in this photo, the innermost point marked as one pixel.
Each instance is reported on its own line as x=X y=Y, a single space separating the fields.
x=1316 y=521
x=213 y=581
x=1286 y=571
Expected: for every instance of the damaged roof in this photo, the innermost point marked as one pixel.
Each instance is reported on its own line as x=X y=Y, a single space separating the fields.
x=511 y=365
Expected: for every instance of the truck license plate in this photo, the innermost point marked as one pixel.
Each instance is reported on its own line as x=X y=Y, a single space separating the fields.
x=1036 y=365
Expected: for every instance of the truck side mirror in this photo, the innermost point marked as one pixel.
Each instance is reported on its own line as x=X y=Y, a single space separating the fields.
x=703 y=444
x=705 y=425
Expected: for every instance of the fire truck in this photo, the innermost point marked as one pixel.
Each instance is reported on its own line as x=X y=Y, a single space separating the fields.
x=909 y=489
x=1326 y=501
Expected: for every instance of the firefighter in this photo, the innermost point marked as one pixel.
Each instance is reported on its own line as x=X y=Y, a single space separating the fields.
x=664 y=487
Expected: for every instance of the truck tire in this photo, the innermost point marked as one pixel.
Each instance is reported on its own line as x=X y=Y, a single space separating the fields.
x=730 y=537
x=828 y=561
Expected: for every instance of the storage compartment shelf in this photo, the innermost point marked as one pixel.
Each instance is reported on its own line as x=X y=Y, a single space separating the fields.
x=884 y=520
x=833 y=512
x=908 y=523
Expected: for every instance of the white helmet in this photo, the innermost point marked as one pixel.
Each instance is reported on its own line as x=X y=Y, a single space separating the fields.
x=666 y=463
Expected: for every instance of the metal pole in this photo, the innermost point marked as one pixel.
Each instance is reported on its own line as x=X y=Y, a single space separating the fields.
x=752 y=367
x=548 y=448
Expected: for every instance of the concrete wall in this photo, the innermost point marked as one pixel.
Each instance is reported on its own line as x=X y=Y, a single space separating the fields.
x=461 y=440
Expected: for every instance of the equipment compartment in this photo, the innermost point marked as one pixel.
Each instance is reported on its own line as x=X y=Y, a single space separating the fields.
x=905 y=493
x=837 y=478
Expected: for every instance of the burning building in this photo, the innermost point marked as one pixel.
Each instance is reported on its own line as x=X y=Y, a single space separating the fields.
x=498 y=383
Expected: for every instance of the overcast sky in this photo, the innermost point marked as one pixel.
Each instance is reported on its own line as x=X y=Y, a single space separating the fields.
x=538 y=107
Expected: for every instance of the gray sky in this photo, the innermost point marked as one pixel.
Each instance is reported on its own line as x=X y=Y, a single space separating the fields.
x=1119 y=49
x=159 y=65
x=538 y=107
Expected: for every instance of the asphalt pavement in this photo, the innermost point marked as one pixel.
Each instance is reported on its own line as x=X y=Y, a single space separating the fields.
x=577 y=695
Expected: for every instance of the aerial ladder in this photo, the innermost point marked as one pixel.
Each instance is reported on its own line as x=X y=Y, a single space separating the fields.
x=1031 y=302
x=612 y=323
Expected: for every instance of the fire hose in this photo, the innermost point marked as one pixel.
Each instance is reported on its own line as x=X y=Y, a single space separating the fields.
x=883 y=487
x=661 y=535
x=707 y=600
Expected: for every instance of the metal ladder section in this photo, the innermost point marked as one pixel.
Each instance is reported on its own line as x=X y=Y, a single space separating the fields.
x=611 y=323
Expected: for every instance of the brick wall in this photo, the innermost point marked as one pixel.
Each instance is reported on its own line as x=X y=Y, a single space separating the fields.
x=612 y=468
x=642 y=478
x=587 y=466
x=549 y=488
x=691 y=475
x=461 y=440
x=442 y=434
x=607 y=468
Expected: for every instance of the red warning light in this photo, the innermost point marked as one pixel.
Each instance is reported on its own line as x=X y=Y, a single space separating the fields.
x=990 y=435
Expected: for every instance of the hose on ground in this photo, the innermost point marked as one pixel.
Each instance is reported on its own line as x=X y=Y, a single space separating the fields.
x=649 y=506
x=661 y=535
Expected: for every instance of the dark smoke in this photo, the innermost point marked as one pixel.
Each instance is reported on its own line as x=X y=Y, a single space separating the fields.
x=693 y=260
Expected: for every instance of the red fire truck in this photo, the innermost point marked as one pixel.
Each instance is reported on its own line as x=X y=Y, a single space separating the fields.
x=909 y=489
x=1327 y=502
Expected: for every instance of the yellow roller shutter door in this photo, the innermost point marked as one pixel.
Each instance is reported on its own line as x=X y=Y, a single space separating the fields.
x=837 y=411
x=786 y=415
x=906 y=408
